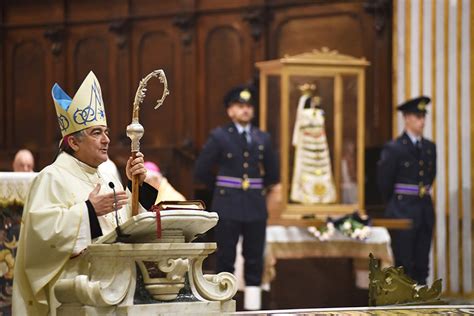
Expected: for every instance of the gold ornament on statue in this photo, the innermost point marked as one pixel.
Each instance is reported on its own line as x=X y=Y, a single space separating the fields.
x=320 y=189
x=307 y=88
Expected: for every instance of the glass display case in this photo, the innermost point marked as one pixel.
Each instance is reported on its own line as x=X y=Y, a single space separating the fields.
x=313 y=105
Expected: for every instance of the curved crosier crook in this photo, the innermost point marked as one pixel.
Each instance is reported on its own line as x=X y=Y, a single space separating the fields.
x=135 y=130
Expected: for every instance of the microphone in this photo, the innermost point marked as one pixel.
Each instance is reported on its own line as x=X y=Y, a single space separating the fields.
x=120 y=236
x=112 y=186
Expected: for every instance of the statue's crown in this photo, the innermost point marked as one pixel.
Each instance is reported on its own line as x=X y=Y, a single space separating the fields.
x=86 y=109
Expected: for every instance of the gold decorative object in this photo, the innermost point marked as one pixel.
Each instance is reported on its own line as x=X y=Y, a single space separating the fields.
x=340 y=83
x=391 y=286
x=320 y=189
x=307 y=88
x=135 y=130
x=245 y=184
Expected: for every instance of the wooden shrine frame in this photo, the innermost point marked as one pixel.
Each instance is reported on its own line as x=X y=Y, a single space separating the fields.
x=318 y=63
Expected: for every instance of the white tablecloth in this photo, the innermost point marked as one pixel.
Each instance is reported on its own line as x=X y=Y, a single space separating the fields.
x=14 y=186
x=296 y=242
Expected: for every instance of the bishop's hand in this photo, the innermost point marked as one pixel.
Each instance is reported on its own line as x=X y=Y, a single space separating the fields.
x=136 y=167
x=104 y=203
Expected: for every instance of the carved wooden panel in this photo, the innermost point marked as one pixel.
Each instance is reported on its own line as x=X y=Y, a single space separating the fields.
x=28 y=87
x=153 y=8
x=157 y=45
x=224 y=61
x=122 y=94
x=20 y=13
x=224 y=45
x=92 y=10
x=297 y=34
x=27 y=110
x=90 y=49
x=156 y=50
x=351 y=29
x=90 y=53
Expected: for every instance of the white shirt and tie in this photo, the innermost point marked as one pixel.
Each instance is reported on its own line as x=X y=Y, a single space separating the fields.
x=245 y=129
x=416 y=140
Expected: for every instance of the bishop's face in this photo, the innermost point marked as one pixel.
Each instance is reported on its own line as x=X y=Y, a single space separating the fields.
x=92 y=148
x=241 y=113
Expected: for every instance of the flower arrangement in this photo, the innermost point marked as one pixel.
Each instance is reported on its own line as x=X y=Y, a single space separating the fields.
x=353 y=226
x=324 y=232
x=354 y=229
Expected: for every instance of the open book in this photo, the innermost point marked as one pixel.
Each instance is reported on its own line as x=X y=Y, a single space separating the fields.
x=181 y=205
x=185 y=221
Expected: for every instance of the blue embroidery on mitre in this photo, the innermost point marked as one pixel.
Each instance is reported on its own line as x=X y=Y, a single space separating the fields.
x=86 y=109
x=95 y=106
x=63 y=123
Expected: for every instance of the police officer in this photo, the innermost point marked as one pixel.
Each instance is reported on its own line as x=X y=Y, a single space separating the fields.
x=406 y=172
x=247 y=167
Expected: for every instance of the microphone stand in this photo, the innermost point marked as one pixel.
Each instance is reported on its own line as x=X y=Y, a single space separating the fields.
x=121 y=237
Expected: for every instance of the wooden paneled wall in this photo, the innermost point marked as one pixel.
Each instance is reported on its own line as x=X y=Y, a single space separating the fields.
x=204 y=46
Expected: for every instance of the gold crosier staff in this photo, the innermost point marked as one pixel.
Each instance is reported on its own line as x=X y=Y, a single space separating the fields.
x=135 y=130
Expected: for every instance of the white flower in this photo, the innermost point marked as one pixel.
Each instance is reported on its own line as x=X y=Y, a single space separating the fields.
x=356 y=233
x=314 y=231
x=347 y=225
x=330 y=227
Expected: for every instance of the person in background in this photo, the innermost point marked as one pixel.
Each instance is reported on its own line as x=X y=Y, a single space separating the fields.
x=166 y=192
x=247 y=168
x=23 y=161
x=406 y=172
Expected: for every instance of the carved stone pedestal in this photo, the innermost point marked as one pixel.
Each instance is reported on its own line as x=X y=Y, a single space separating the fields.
x=146 y=278
x=108 y=286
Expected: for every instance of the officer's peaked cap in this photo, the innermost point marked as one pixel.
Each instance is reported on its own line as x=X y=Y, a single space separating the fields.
x=241 y=94
x=416 y=105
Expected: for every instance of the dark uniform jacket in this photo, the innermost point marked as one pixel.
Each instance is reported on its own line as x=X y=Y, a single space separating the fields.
x=226 y=149
x=402 y=163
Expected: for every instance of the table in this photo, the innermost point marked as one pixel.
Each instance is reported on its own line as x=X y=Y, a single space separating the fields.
x=294 y=242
